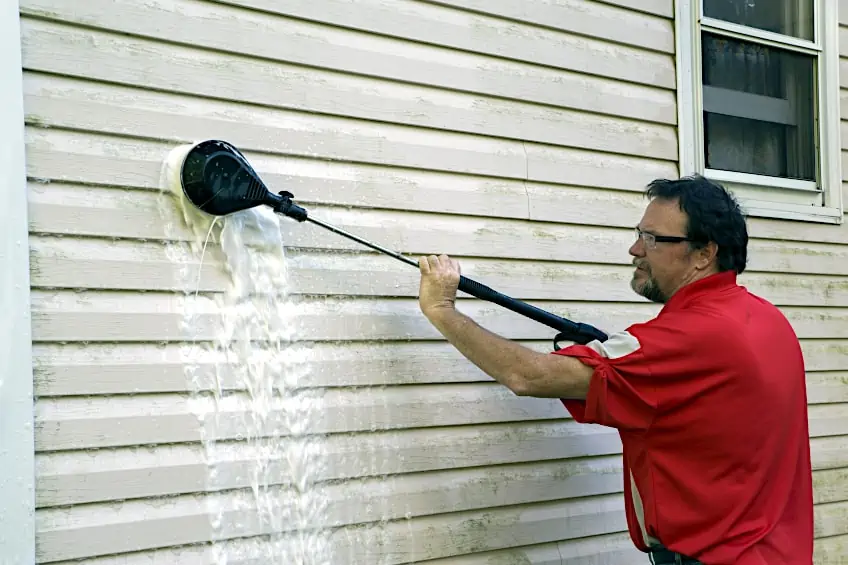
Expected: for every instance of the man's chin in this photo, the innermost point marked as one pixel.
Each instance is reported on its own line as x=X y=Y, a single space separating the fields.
x=638 y=286
x=642 y=286
x=638 y=281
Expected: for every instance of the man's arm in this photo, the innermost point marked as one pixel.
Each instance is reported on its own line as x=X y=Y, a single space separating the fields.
x=524 y=371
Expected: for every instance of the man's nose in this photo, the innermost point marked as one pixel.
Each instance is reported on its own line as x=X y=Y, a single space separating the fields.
x=638 y=248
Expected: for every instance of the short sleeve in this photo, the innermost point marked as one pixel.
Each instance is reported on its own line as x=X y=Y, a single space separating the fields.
x=636 y=371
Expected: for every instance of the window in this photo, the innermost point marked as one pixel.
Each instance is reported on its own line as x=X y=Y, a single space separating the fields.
x=758 y=102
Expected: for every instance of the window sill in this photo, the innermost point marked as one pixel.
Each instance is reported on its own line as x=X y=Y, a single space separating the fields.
x=797 y=212
x=779 y=199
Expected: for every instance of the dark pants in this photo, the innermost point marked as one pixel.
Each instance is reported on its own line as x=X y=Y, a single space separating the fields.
x=662 y=556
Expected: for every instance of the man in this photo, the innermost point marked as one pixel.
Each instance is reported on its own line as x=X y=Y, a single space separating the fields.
x=709 y=397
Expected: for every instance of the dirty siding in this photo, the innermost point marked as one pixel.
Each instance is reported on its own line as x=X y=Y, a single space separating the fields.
x=514 y=138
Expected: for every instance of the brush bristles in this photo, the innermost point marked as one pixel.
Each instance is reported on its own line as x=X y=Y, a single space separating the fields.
x=171 y=181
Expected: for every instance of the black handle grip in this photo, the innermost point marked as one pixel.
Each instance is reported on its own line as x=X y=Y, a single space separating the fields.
x=570 y=331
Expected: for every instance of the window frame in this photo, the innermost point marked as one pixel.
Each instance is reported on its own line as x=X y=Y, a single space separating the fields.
x=17 y=445
x=762 y=196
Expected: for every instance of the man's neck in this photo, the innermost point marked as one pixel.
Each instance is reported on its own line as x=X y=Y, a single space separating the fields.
x=696 y=276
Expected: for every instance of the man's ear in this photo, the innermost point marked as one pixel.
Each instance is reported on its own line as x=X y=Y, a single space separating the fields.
x=706 y=255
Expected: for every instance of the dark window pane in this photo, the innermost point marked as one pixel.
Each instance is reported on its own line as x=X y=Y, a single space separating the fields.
x=758 y=109
x=786 y=17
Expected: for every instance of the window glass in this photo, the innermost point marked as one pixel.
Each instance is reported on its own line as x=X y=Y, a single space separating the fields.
x=786 y=17
x=758 y=109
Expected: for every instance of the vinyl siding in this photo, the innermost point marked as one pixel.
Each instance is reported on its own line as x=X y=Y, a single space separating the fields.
x=513 y=136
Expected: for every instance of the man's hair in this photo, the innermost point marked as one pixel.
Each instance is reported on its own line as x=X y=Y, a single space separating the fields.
x=713 y=215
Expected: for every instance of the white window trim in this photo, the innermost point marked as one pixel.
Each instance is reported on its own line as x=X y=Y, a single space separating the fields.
x=17 y=446
x=762 y=196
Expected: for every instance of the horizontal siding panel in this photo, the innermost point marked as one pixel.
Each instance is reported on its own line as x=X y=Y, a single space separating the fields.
x=220 y=26
x=663 y=8
x=97 y=369
x=64 y=534
x=71 y=369
x=826 y=355
x=597 y=550
x=593 y=19
x=830 y=486
x=418 y=494
x=828 y=419
x=55 y=155
x=144 y=268
x=69 y=316
x=831 y=452
x=808 y=323
x=826 y=387
x=68 y=534
x=86 y=423
x=546 y=554
x=111 y=110
x=419 y=22
x=132 y=472
x=506 y=239
x=81 y=423
x=831 y=519
x=494 y=444
x=124 y=265
x=66 y=478
x=613 y=547
x=460 y=236
x=832 y=550
x=83 y=105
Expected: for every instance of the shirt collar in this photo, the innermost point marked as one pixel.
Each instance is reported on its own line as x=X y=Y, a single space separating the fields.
x=718 y=282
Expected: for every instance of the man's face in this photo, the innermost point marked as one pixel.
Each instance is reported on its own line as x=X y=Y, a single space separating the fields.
x=664 y=267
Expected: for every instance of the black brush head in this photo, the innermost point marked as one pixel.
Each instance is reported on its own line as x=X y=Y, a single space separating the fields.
x=218 y=180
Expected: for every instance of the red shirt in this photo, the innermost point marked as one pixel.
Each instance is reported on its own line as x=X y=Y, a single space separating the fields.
x=709 y=399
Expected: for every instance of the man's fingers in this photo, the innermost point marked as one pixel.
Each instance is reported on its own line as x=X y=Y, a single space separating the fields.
x=449 y=263
x=438 y=263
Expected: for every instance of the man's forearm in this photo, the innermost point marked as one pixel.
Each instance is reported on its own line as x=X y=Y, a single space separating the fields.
x=524 y=371
x=500 y=358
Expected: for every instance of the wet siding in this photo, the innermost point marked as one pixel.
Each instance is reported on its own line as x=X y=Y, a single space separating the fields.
x=514 y=136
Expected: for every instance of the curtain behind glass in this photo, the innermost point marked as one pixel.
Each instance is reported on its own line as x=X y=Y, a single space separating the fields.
x=781 y=140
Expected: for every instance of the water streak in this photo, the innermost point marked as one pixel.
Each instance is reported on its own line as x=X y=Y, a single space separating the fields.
x=258 y=427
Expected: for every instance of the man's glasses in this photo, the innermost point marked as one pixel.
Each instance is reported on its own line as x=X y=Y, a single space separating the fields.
x=651 y=239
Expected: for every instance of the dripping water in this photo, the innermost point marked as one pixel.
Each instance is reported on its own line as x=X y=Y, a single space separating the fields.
x=259 y=429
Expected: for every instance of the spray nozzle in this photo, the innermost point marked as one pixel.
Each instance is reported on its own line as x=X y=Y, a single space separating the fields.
x=285 y=206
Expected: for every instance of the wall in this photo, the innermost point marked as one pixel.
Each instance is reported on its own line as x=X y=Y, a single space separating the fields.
x=516 y=139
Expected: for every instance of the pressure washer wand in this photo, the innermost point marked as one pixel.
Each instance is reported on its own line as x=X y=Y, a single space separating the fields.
x=570 y=331
x=218 y=180
x=364 y=242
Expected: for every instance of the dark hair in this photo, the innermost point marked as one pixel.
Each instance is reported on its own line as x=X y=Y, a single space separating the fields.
x=714 y=215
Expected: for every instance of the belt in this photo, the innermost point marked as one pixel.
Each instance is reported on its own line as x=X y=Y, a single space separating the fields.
x=663 y=556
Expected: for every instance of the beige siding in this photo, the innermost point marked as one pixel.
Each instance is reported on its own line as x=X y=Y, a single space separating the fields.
x=831 y=480
x=515 y=136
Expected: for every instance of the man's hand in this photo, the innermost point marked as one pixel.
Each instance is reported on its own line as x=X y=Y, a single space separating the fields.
x=524 y=371
x=439 y=283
